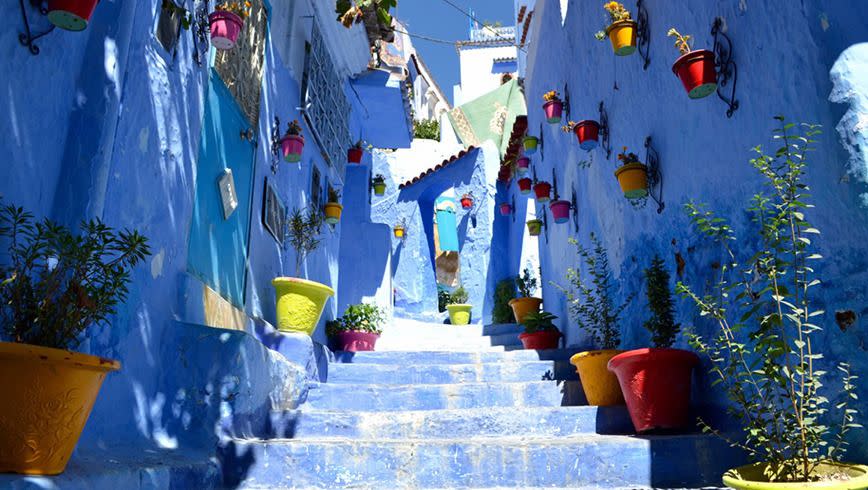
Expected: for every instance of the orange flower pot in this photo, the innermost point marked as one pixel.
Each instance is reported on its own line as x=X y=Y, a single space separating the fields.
x=521 y=307
x=333 y=212
x=601 y=386
x=633 y=178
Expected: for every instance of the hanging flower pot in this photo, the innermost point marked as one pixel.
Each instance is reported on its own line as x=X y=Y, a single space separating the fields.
x=333 y=212
x=225 y=29
x=632 y=175
x=588 y=134
x=524 y=185
x=622 y=34
x=542 y=190
x=534 y=227
x=553 y=107
x=561 y=210
x=695 y=68
x=398 y=230
x=505 y=209
x=379 y=185
x=71 y=15
x=354 y=155
x=467 y=201
x=292 y=143
x=530 y=144
x=522 y=165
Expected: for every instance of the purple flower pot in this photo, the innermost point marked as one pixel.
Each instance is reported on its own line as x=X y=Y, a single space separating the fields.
x=292 y=146
x=354 y=341
x=225 y=29
x=561 y=210
x=553 y=110
x=522 y=165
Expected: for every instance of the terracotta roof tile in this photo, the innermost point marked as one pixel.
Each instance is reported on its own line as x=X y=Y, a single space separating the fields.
x=442 y=165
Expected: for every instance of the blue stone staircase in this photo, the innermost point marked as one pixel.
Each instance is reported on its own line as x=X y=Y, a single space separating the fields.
x=445 y=406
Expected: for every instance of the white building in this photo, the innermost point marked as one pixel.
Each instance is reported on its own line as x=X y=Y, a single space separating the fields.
x=490 y=54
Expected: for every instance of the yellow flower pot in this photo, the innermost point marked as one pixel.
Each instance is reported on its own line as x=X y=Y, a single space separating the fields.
x=47 y=398
x=379 y=188
x=521 y=307
x=333 y=213
x=633 y=178
x=300 y=303
x=459 y=314
x=601 y=386
x=623 y=37
x=399 y=232
x=752 y=477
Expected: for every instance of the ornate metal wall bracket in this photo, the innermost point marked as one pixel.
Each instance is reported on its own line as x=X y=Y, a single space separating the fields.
x=542 y=146
x=556 y=196
x=201 y=33
x=545 y=223
x=643 y=34
x=567 y=105
x=512 y=210
x=727 y=70
x=28 y=38
x=275 y=145
x=574 y=208
x=655 y=177
x=605 y=142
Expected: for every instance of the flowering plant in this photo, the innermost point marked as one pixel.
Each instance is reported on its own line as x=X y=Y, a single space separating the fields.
x=552 y=96
x=379 y=179
x=569 y=127
x=627 y=157
x=617 y=13
x=681 y=42
x=294 y=128
x=241 y=9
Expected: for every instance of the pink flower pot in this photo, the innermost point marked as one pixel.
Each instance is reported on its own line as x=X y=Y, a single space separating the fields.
x=561 y=210
x=225 y=29
x=505 y=209
x=553 y=110
x=354 y=341
x=522 y=165
x=292 y=146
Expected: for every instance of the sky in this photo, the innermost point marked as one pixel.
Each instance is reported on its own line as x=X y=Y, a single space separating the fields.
x=437 y=19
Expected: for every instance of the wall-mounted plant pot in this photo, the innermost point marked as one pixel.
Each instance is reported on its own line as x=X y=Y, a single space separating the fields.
x=292 y=145
x=601 y=387
x=755 y=477
x=633 y=178
x=623 y=37
x=534 y=227
x=379 y=188
x=398 y=231
x=524 y=185
x=553 y=109
x=48 y=395
x=656 y=387
x=505 y=209
x=466 y=202
x=531 y=143
x=355 y=341
x=459 y=314
x=588 y=134
x=561 y=210
x=521 y=307
x=333 y=212
x=225 y=29
x=546 y=339
x=300 y=303
x=71 y=15
x=697 y=73
x=354 y=155
x=542 y=191
x=522 y=165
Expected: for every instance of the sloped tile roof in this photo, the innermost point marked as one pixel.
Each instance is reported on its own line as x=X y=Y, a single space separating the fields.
x=443 y=164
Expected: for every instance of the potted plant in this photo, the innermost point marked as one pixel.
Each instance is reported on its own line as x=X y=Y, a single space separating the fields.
x=621 y=30
x=467 y=201
x=373 y=13
x=356 y=152
x=292 y=143
x=524 y=185
x=553 y=107
x=505 y=209
x=71 y=15
x=542 y=190
x=522 y=165
x=54 y=285
x=226 y=21
x=534 y=227
x=379 y=185
x=695 y=68
x=504 y=293
x=764 y=348
x=592 y=307
x=561 y=210
x=333 y=207
x=632 y=175
x=656 y=382
x=523 y=305
x=358 y=329
x=586 y=131
x=530 y=144
x=459 y=310
x=540 y=332
x=300 y=302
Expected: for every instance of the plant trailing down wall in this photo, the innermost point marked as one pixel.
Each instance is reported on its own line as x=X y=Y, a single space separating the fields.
x=374 y=13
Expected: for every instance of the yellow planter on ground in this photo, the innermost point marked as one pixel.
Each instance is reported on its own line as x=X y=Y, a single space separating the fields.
x=300 y=303
x=633 y=178
x=751 y=477
x=600 y=385
x=333 y=213
x=623 y=37
x=47 y=397
x=459 y=314
x=522 y=306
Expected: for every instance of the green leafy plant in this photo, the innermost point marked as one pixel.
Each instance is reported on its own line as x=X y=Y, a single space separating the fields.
x=353 y=12
x=526 y=283
x=443 y=299
x=591 y=303
x=358 y=318
x=681 y=42
x=334 y=195
x=662 y=322
x=616 y=13
x=459 y=296
x=55 y=283
x=763 y=352
x=426 y=129
x=379 y=179
x=304 y=231
x=539 y=321
x=504 y=292
x=185 y=15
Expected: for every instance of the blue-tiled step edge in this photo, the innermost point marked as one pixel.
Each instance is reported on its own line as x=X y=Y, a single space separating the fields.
x=505 y=372
x=408 y=358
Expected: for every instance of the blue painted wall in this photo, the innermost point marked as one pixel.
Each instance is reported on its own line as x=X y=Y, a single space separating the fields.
x=784 y=52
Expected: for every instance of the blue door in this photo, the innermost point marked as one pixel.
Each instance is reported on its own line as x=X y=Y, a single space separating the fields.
x=217 y=252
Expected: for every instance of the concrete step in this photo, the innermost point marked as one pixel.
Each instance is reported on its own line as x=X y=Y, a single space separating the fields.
x=507 y=462
x=411 y=358
x=405 y=334
x=451 y=373
x=384 y=397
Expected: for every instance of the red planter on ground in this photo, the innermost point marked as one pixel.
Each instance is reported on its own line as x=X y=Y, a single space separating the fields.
x=697 y=73
x=561 y=210
x=542 y=191
x=656 y=387
x=588 y=134
x=354 y=155
x=546 y=339
x=524 y=185
x=353 y=341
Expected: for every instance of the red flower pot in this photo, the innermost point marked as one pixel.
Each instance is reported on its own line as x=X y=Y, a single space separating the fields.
x=524 y=185
x=588 y=133
x=697 y=73
x=71 y=15
x=354 y=155
x=505 y=209
x=553 y=110
x=292 y=146
x=656 y=387
x=466 y=202
x=225 y=29
x=561 y=210
x=354 y=341
x=542 y=191
x=546 y=339
x=522 y=165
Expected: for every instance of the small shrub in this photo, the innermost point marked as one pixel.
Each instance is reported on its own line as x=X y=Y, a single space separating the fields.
x=304 y=231
x=662 y=322
x=426 y=129
x=503 y=294
x=358 y=318
x=539 y=321
x=526 y=283
x=443 y=299
x=459 y=296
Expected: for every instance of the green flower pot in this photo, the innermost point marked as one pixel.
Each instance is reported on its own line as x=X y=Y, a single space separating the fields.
x=530 y=144
x=300 y=303
x=751 y=477
x=459 y=314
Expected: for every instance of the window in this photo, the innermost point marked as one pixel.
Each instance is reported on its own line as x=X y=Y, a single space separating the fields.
x=169 y=25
